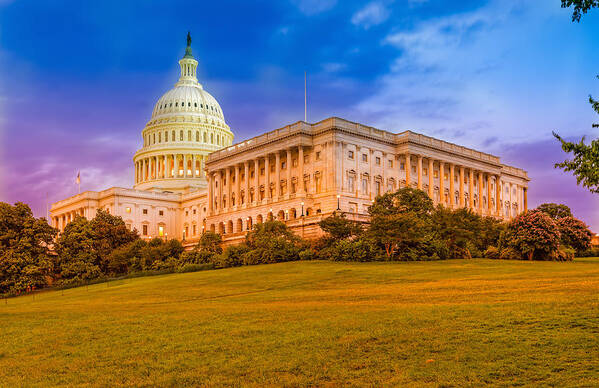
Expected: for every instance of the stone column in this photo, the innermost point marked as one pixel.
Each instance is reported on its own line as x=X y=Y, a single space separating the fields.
x=452 y=186
x=144 y=172
x=221 y=191
x=267 y=177
x=419 y=172
x=193 y=166
x=300 y=164
x=165 y=172
x=211 y=193
x=256 y=180
x=185 y=170
x=524 y=194
x=289 y=164
x=278 y=174
x=431 y=181
x=408 y=167
x=480 y=193
x=442 y=183
x=470 y=188
x=461 y=186
x=246 y=181
x=489 y=206
x=229 y=204
x=498 y=196
x=238 y=188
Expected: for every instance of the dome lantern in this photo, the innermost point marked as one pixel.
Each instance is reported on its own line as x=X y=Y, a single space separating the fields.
x=188 y=67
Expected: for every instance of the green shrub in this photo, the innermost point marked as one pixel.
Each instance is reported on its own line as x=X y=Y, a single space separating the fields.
x=354 y=250
x=189 y=267
x=232 y=256
x=510 y=253
x=307 y=254
x=492 y=253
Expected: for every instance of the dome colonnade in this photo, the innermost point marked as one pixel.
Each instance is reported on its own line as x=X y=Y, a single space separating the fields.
x=187 y=124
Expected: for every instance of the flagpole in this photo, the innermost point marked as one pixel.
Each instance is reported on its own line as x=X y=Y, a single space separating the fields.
x=305 y=98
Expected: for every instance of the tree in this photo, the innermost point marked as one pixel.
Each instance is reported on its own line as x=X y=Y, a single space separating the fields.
x=396 y=231
x=403 y=200
x=272 y=242
x=456 y=228
x=555 y=211
x=24 y=248
x=211 y=242
x=534 y=235
x=338 y=227
x=580 y=7
x=84 y=248
x=574 y=233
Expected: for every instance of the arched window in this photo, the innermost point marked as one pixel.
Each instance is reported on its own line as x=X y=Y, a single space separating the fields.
x=188 y=135
x=165 y=136
x=197 y=136
x=181 y=135
x=205 y=138
x=173 y=136
x=212 y=138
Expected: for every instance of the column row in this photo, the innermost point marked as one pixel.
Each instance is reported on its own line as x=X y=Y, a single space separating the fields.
x=169 y=166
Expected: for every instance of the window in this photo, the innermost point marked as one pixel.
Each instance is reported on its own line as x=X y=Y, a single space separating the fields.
x=161 y=212
x=306 y=158
x=377 y=160
x=390 y=163
x=128 y=209
x=317 y=155
x=145 y=230
x=402 y=166
x=436 y=174
x=378 y=187
x=350 y=154
x=160 y=230
x=262 y=171
x=194 y=211
x=294 y=162
x=197 y=136
x=350 y=183
x=283 y=165
x=181 y=135
x=425 y=171
x=145 y=211
x=188 y=135
x=194 y=229
x=364 y=157
x=165 y=136
x=364 y=186
x=186 y=213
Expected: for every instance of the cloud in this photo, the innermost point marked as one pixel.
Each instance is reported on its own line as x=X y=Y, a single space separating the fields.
x=372 y=14
x=333 y=67
x=312 y=7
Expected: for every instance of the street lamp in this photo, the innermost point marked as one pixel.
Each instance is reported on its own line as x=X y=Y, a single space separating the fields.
x=338 y=197
x=302 y=209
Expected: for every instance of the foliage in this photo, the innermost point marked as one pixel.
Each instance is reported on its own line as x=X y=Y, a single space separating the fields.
x=533 y=234
x=574 y=233
x=272 y=242
x=397 y=232
x=233 y=256
x=361 y=250
x=338 y=227
x=24 y=249
x=580 y=7
x=492 y=253
x=211 y=242
x=554 y=210
x=585 y=164
x=402 y=201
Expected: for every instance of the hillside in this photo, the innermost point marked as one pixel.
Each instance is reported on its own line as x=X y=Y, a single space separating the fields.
x=449 y=323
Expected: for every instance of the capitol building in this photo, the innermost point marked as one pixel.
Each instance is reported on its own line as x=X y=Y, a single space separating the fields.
x=190 y=177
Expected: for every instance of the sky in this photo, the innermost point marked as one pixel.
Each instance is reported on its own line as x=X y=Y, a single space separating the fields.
x=78 y=80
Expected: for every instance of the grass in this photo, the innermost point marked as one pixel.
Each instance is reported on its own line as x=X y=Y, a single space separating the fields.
x=446 y=323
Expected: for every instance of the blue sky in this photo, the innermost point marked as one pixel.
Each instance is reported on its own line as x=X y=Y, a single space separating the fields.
x=79 y=79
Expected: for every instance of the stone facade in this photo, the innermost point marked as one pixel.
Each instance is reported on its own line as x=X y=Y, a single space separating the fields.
x=190 y=177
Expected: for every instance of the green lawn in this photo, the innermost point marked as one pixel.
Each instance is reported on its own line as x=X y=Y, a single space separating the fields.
x=446 y=323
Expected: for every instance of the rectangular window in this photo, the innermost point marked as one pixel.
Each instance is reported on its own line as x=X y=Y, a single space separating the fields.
x=128 y=209
x=145 y=211
x=377 y=160
x=350 y=154
x=160 y=230
x=425 y=171
x=283 y=165
x=194 y=229
x=145 y=230
x=350 y=183
x=436 y=174
x=390 y=163
x=378 y=187
x=317 y=155
x=402 y=166
x=161 y=212
x=364 y=157
x=306 y=158
x=294 y=163
x=262 y=171
x=364 y=186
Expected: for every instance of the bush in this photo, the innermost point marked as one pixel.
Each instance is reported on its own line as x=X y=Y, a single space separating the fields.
x=492 y=253
x=510 y=253
x=195 y=267
x=533 y=235
x=574 y=233
x=353 y=250
x=272 y=242
x=233 y=256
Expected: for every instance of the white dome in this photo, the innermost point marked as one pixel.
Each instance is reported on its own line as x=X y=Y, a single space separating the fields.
x=188 y=100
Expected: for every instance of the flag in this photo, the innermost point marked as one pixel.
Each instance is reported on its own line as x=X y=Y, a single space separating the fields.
x=78 y=181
